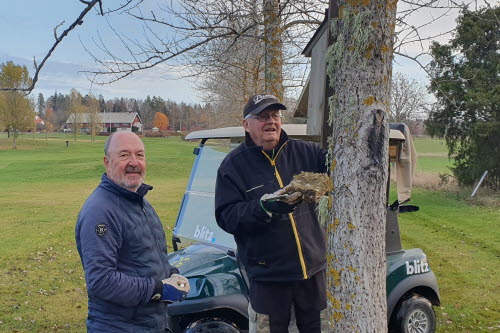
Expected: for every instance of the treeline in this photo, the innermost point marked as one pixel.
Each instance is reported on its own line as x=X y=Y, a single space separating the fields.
x=56 y=110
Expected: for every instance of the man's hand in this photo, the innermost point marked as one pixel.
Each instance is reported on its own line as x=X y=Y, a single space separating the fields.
x=280 y=202
x=175 y=288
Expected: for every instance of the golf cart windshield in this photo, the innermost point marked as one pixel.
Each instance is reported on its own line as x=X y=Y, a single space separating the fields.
x=196 y=220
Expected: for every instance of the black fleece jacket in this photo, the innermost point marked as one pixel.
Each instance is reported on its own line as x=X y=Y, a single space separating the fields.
x=284 y=247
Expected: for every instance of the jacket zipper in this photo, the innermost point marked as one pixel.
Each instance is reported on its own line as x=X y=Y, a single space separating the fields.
x=290 y=215
x=156 y=241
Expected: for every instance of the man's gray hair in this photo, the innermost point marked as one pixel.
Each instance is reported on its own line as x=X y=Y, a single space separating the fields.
x=107 y=143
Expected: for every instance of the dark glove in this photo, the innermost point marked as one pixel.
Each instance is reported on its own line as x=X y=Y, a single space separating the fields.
x=279 y=202
x=175 y=288
x=277 y=207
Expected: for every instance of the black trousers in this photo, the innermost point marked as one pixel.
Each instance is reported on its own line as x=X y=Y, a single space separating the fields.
x=275 y=299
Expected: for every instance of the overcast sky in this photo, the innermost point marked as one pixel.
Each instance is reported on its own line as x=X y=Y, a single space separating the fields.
x=27 y=32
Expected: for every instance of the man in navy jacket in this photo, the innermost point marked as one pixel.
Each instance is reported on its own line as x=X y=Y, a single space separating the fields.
x=122 y=247
x=280 y=242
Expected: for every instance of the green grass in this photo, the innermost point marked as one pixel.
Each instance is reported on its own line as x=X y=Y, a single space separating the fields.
x=430 y=146
x=433 y=164
x=50 y=135
x=461 y=242
x=43 y=186
x=432 y=156
x=44 y=183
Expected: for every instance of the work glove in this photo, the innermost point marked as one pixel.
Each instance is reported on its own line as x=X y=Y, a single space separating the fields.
x=175 y=288
x=280 y=202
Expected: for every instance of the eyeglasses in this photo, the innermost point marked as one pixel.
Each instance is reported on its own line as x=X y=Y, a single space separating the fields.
x=264 y=117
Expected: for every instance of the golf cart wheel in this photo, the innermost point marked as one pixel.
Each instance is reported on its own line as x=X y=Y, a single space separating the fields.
x=415 y=315
x=211 y=325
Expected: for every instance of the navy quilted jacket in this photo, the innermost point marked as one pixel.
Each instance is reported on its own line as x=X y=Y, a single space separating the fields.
x=123 y=250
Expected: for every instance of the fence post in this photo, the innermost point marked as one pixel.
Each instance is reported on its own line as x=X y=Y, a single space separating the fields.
x=479 y=184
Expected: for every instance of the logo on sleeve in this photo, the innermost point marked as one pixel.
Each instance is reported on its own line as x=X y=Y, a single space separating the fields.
x=101 y=229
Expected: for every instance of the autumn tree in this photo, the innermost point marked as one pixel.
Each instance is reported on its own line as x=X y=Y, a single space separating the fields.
x=16 y=111
x=76 y=112
x=467 y=85
x=2 y=107
x=160 y=121
x=93 y=116
x=59 y=104
x=50 y=120
x=359 y=66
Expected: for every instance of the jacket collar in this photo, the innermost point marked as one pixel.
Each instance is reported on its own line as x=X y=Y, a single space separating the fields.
x=250 y=144
x=111 y=186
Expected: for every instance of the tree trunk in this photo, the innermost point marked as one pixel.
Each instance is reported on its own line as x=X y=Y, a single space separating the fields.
x=14 y=140
x=273 y=49
x=359 y=66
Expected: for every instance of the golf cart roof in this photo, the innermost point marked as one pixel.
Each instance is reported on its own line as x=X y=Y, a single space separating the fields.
x=293 y=130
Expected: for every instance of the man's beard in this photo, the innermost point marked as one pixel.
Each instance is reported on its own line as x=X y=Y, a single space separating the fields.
x=129 y=185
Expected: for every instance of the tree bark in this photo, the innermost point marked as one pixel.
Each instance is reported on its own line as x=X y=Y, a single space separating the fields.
x=359 y=65
x=273 y=49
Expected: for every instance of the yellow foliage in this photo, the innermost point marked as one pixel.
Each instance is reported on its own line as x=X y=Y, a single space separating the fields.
x=160 y=121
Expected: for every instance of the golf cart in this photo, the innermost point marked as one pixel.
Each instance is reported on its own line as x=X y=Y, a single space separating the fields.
x=206 y=255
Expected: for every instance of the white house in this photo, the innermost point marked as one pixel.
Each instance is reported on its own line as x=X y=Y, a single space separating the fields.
x=110 y=121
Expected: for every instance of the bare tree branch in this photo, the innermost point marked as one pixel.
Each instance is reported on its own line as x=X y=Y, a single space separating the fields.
x=55 y=29
x=59 y=39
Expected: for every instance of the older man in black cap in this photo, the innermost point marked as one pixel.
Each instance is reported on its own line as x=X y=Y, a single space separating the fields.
x=280 y=242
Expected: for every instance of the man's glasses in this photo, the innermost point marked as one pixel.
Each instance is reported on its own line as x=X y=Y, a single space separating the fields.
x=264 y=117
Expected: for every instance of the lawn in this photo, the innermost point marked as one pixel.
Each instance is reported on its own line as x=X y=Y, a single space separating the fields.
x=44 y=184
x=463 y=249
x=432 y=156
x=430 y=146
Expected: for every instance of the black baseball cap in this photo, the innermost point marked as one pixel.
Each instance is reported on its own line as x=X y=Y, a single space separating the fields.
x=260 y=102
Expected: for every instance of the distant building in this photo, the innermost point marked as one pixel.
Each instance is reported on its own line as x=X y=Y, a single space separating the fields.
x=39 y=121
x=109 y=121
